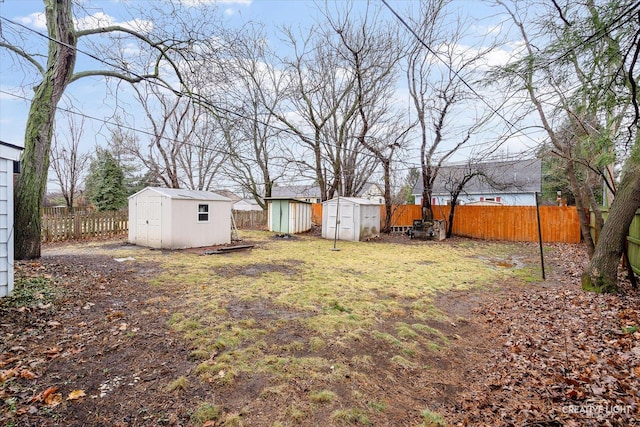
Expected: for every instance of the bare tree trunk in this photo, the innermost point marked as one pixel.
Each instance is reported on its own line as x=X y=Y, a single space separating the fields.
x=602 y=273
x=585 y=229
x=31 y=183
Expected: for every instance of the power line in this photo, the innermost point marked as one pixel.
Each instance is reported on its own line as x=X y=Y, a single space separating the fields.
x=455 y=72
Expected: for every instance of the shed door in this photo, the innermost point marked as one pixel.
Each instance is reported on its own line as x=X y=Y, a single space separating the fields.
x=345 y=226
x=346 y=229
x=148 y=222
x=280 y=216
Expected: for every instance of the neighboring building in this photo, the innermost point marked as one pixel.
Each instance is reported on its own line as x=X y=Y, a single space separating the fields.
x=247 y=205
x=355 y=218
x=228 y=194
x=288 y=216
x=304 y=193
x=311 y=193
x=171 y=218
x=9 y=164
x=373 y=192
x=509 y=183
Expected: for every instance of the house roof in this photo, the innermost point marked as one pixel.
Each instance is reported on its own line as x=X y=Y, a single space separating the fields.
x=251 y=202
x=296 y=191
x=228 y=194
x=183 y=194
x=513 y=176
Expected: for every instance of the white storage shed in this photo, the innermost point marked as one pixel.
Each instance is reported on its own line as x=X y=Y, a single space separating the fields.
x=355 y=218
x=9 y=156
x=172 y=218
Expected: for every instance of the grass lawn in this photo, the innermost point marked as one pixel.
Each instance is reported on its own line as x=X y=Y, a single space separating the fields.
x=292 y=310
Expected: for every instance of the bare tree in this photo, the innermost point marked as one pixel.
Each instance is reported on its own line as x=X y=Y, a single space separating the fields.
x=184 y=150
x=253 y=138
x=590 y=82
x=171 y=44
x=437 y=75
x=371 y=49
x=67 y=161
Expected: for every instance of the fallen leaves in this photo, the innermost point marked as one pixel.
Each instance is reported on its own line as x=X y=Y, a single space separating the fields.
x=76 y=394
x=567 y=357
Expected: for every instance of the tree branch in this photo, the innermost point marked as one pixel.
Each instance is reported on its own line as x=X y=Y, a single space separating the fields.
x=24 y=55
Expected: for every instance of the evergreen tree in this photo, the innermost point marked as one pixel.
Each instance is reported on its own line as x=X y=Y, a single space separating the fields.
x=105 y=184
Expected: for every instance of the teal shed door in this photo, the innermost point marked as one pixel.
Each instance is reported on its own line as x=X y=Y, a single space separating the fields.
x=280 y=216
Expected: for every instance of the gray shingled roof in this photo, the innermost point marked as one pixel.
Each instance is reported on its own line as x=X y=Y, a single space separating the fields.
x=513 y=176
x=296 y=191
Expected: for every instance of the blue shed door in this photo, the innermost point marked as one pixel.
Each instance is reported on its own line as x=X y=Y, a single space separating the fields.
x=280 y=216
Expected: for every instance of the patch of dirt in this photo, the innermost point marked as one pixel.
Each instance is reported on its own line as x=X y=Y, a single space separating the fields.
x=287 y=268
x=103 y=354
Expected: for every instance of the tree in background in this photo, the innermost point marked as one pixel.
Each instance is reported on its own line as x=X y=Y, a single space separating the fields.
x=585 y=57
x=438 y=68
x=105 y=185
x=67 y=162
x=168 y=49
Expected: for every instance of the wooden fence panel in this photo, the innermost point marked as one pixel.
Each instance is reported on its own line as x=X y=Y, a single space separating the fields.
x=633 y=237
x=250 y=219
x=84 y=225
x=633 y=241
x=316 y=213
x=512 y=223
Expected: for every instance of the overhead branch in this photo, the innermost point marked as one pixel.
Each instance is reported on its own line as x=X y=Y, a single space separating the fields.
x=24 y=55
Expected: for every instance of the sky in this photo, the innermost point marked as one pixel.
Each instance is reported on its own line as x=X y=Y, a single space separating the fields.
x=91 y=97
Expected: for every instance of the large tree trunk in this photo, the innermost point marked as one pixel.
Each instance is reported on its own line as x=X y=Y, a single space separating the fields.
x=387 y=198
x=601 y=275
x=585 y=228
x=32 y=182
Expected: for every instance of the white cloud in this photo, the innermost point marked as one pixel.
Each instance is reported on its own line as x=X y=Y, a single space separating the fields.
x=101 y=19
x=36 y=20
x=221 y=2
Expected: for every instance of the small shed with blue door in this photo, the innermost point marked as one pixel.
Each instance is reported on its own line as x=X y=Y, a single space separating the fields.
x=9 y=164
x=288 y=216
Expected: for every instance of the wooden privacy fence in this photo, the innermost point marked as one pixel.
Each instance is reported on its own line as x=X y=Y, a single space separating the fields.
x=512 y=223
x=84 y=225
x=633 y=238
x=250 y=219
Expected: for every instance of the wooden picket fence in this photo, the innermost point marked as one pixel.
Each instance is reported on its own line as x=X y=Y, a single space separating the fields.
x=83 y=225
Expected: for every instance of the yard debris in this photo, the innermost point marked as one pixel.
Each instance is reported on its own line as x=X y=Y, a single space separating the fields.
x=227 y=249
x=129 y=258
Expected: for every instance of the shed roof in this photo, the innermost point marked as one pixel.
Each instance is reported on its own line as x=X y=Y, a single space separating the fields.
x=292 y=199
x=183 y=194
x=355 y=200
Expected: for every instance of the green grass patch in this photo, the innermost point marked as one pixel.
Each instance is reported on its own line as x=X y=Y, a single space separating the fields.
x=179 y=384
x=283 y=309
x=31 y=292
x=206 y=412
x=401 y=361
x=352 y=416
x=322 y=396
x=432 y=419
